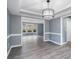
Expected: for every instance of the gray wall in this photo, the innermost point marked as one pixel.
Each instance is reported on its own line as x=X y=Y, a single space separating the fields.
x=15 y=40
x=53 y=26
x=13 y=27
x=47 y=24
x=64 y=30
x=55 y=38
x=15 y=24
x=8 y=23
x=40 y=29
x=8 y=30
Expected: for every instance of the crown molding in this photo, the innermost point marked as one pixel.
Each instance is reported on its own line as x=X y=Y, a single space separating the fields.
x=64 y=9
x=31 y=14
x=64 y=12
x=31 y=20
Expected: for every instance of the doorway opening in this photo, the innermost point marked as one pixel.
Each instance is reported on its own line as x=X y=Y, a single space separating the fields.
x=68 y=29
x=31 y=31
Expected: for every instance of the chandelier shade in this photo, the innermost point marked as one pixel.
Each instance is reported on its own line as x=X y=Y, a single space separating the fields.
x=48 y=14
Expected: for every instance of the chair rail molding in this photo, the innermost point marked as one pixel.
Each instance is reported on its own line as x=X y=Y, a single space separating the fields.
x=13 y=35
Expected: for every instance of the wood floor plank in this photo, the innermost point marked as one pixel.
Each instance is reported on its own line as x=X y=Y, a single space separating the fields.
x=38 y=49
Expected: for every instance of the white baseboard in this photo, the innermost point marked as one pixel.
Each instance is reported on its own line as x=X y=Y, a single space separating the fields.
x=64 y=43
x=13 y=47
x=56 y=42
x=9 y=51
x=53 y=42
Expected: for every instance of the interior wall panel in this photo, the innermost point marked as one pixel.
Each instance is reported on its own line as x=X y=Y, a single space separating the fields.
x=47 y=24
x=51 y=27
x=15 y=24
x=55 y=25
x=8 y=23
x=15 y=40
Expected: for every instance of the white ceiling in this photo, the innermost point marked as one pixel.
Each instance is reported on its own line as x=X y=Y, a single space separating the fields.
x=36 y=6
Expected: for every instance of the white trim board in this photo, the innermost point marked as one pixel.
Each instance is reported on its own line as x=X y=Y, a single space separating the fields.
x=39 y=15
x=8 y=36
x=61 y=26
x=13 y=35
x=21 y=30
x=12 y=47
x=43 y=30
x=64 y=43
x=9 y=51
x=52 y=33
x=30 y=12
x=53 y=42
x=31 y=20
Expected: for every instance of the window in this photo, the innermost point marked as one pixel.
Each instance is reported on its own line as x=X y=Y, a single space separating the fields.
x=29 y=27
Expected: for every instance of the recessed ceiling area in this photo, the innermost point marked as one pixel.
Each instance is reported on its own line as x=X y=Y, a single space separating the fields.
x=36 y=6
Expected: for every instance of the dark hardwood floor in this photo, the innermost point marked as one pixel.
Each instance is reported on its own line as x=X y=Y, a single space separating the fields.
x=37 y=49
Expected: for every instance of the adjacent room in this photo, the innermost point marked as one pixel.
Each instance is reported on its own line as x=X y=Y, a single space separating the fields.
x=38 y=29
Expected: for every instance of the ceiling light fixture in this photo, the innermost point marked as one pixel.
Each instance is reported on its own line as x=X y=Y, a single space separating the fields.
x=48 y=13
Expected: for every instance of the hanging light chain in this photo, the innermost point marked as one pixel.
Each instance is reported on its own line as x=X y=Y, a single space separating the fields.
x=48 y=1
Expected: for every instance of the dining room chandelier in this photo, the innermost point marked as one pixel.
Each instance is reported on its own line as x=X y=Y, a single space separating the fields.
x=48 y=13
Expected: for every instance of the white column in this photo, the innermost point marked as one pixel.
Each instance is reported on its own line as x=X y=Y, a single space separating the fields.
x=44 y=29
x=21 y=30
x=61 y=30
